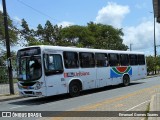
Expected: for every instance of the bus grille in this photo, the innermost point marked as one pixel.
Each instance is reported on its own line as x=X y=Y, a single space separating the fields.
x=28 y=92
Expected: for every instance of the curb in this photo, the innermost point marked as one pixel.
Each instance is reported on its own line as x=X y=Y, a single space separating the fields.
x=155 y=105
x=10 y=97
x=151 y=76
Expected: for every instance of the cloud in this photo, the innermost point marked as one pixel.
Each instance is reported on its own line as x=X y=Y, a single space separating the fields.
x=112 y=14
x=17 y=20
x=65 y=24
x=141 y=36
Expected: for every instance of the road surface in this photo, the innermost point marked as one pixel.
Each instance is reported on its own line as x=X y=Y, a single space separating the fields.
x=135 y=97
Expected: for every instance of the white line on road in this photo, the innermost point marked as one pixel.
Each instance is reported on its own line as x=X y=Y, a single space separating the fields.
x=135 y=106
x=15 y=107
x=138 y=105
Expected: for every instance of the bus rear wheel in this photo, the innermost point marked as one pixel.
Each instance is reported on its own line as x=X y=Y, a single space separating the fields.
x=74 y=89
x=126 y=80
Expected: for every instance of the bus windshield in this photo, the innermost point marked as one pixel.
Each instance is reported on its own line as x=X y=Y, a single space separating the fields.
x=29 y=68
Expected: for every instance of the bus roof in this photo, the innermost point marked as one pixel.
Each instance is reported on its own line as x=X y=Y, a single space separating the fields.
x=72 y=48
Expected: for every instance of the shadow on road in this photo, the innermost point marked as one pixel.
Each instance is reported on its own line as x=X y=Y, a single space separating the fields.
x=43 y=100
x=107 y=88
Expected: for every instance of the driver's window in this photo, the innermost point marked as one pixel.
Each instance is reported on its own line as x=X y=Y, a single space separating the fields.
x=53 y=64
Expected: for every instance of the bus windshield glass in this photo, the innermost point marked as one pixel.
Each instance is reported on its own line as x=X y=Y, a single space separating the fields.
x=29 y=65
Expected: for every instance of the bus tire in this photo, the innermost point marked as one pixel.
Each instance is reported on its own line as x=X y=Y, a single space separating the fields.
x=74 y=89
x=126 y=80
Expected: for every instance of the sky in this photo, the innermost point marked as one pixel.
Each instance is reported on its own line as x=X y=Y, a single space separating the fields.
x=134 y=17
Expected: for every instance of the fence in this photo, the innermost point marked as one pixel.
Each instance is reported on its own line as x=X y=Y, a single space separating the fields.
x=4 y=81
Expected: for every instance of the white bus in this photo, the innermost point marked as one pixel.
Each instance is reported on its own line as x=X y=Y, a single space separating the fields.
x=52 y=70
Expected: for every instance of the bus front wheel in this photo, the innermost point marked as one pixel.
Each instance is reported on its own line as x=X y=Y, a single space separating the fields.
x=74 y=89
x=126 y=80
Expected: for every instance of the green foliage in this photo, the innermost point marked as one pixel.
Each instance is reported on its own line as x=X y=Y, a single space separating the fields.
x=158 y=63
x=106 y=37
x=27 y=34
x=47 y=35
x=77 y=36
x=3 y=66
x=94 y=36
x=150 y=64
x=153 y=64
x=91 y=36
x=3 y=74
x=13 y=31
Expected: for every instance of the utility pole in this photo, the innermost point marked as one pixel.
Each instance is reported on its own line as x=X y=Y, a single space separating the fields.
x=8 y=47
x=155 y=52
x=131 y=46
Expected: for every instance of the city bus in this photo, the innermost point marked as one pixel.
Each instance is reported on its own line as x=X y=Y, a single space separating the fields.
x=52 y=70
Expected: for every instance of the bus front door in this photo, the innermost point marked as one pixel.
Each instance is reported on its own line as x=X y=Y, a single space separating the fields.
x=54 y=77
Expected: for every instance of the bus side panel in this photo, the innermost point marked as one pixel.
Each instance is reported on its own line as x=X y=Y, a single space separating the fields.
x=55 y=84
x=103 y=77
x=88 y=76
x=117 y=72
x=69 y=75
x=135 y=72
x=142 y=73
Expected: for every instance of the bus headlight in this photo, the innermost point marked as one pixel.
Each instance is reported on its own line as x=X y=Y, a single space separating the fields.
x=38 y=85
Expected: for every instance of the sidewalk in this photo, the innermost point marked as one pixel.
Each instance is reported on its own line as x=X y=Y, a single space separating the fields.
x=7 y=97
x=155 y=106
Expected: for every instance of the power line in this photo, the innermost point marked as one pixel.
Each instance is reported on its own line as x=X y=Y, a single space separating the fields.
x=19 y=23
x=38 y=11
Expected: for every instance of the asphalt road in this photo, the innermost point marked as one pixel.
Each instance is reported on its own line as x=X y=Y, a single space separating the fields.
x=135 y=97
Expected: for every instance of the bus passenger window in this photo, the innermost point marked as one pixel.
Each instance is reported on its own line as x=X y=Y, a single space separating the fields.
x=124 y=60
x=133 y=59
x=70 y=59
x=114 y=59
x=101 y=60
x=141 y=60
x=87 y=60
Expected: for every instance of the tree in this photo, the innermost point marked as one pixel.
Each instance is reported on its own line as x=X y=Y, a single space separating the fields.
x=150 y=64
x=49 y=35
x=27 y=35
x=48 y=32
x=13 y=31
x=94 y=36
x=91 y=36
x=77 y=36
x=158 y=63
x=40 y=32
x=107 y=37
